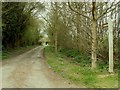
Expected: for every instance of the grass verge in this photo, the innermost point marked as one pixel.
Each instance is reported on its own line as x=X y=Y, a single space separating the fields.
x=78 y=73
x=5 y=54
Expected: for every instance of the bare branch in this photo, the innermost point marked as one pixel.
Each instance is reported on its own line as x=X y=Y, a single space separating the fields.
x=77 y=11
x=46 y=20
x=108 y=10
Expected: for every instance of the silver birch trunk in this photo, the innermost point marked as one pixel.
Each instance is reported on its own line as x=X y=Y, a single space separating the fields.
x=110 y=37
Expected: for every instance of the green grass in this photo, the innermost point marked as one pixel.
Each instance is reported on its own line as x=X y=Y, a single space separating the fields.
x=5 y=54
x=78 y=73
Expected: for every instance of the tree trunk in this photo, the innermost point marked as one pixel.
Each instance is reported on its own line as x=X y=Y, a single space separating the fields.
x=56 y=22
x=110 y=29
x=56 y=41
x=94 y=44
x=78 y=32
x=94 y=36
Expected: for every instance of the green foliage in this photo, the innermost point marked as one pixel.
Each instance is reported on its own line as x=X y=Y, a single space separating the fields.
x=31 y=34
x=49 y=48
x=71 y=53
x=83 y=59
x=78 y=56
x=19 y=24
x=12 y=23
x=62 y=50
x=5 y=55
x=103 y=65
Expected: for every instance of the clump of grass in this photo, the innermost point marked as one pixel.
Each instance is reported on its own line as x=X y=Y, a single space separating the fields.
x=5 y=54
x=89 y=77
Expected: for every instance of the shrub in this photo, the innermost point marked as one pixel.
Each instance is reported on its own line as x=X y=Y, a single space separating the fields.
x=78 y=58
x=49 y=48
x=62 y=50
x=72 y=53
x=83 y=59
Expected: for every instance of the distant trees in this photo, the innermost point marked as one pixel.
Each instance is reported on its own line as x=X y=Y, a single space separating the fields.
x=83 y=26
x=0 y=26
x=20 y=23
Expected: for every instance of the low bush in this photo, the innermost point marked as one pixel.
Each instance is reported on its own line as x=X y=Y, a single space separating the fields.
x=83 y=59
x=71 y=53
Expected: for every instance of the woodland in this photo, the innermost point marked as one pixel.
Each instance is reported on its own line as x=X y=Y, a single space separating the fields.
x=76 y=32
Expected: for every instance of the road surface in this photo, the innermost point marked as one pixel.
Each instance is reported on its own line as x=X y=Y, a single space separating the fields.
x=30 y=70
